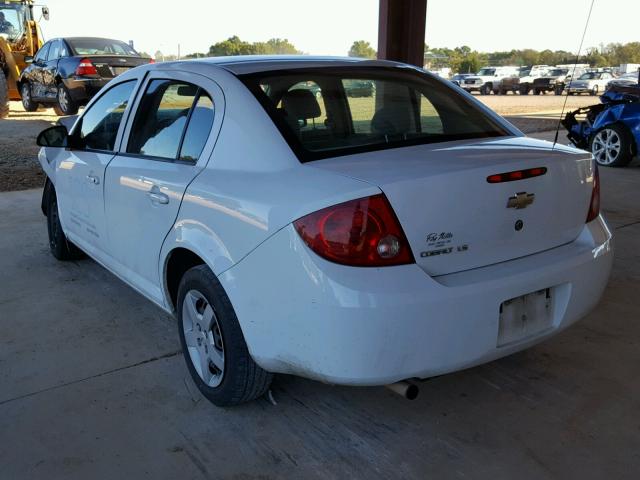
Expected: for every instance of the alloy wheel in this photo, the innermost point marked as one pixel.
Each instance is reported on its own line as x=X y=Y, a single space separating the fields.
x=26 y=94
x=203 y=338
x=606 y=146
x=63 y=99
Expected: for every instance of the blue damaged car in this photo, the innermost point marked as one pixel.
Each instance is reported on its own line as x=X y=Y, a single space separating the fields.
x=611 y=129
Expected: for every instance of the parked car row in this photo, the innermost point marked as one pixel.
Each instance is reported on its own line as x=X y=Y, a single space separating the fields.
x=66 y=73
x=540 y=79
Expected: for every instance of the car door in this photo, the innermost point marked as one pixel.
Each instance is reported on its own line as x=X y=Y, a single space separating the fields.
x=35 y=72
x=169 y=140
x=80 y=173
x=50 y=69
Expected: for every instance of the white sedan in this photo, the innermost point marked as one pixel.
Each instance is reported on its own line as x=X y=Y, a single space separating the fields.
x=352 y=240
x=592 y=83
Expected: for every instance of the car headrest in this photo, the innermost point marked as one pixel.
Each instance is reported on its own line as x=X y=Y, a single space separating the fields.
x=300 y=105
x=391 y=121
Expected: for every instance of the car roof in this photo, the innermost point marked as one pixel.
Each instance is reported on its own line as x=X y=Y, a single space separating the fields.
x=245 y=64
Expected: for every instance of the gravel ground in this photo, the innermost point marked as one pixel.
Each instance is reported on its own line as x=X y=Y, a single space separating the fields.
x=19 y=168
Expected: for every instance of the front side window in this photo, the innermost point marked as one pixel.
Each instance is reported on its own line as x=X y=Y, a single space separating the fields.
x=54 y=50
x=160 y=127
x=364 y=109
x=99 y=125
x=41 y=56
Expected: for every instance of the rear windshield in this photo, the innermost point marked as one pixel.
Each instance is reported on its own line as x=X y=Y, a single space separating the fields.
x=331 y=112
x=100 y=46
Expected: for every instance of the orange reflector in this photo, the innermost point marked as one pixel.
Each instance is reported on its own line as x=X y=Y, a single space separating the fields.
x=516 y=175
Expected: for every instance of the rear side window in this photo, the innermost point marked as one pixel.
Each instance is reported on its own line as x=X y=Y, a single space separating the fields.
x=332 y=112
x=99 y=125
x=160 y=128
x=198 y=129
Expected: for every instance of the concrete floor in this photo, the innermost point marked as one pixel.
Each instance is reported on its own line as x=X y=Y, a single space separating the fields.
x=92 y=385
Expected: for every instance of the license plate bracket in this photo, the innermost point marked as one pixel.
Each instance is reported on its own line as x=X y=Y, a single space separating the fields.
x=525 y=316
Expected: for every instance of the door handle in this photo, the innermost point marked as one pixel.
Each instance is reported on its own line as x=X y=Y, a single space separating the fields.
x=159 y=197
x=93 y=179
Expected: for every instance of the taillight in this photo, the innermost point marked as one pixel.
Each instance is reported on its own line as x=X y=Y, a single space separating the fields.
x=363 y=232
x=151 y=60
x=594 y=206
x=86 y=67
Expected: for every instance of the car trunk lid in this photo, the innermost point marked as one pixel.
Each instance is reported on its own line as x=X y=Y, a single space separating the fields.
x=109 y=66
x=456 y=220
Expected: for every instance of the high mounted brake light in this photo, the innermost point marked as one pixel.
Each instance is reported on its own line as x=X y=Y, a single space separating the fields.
x=363 y=232
x=516 y=175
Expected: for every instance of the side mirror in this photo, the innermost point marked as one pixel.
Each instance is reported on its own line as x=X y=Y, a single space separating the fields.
x=45 y=13
x=28 y=59
x=56 y=136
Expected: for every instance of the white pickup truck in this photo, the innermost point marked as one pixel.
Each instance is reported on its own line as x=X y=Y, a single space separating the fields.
x=487 y=77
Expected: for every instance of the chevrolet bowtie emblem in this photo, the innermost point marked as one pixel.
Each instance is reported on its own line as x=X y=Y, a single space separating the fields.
x=521 y=200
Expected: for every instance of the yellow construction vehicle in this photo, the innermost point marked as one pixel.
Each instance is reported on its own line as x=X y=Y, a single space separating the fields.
x=20 y=39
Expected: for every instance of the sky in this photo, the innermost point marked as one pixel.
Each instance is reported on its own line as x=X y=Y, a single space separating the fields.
x=329 y=27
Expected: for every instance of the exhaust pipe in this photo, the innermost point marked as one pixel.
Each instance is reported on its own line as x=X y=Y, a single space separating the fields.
x=404 y=389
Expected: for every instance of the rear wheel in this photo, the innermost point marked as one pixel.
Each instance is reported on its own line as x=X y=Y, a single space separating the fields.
x=27 y=102
x=4 y=96
x=64 y=103
x=594 y=90
x=612 y=146
x=60 y=247
x=558 y=90
x=213 y=344
x=524 y=90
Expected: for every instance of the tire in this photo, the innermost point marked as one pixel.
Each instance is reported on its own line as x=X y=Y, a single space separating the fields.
x=27 y=102
x=558 y=90
x=213 y=343
x=594 y=91
x=603 y=146
x=4 y=96
x=524 y=90
x=64 y=103
x=537 y=91
x=60 y=247
x=486 y=89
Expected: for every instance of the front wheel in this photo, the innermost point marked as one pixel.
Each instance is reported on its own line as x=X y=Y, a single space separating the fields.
x=213 y=344
x=612 y=146
x=60 y=247
x=64 y=103
x=594 y=91
x=558 y=90
x=27 y=101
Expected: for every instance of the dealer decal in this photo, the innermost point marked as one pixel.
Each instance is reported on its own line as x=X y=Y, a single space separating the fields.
x=442 y=243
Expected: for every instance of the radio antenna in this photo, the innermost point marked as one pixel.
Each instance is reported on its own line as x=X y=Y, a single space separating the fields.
x=575 y=65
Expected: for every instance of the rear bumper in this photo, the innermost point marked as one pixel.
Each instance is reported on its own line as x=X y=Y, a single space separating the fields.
x=305 y=316
x=83 y=89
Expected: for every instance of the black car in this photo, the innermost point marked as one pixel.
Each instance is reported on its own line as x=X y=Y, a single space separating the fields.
x=67 y=72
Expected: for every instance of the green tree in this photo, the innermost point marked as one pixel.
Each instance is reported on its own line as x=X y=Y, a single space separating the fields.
x=231 y=46
x=362 y=49
x=275 y=46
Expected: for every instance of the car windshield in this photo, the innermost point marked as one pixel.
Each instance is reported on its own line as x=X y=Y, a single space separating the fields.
x=12 y=20
x=331 y=112
x=525 y=73
x=486 y=72
x=100 y=46
x=558 y=72
x=590 y=76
